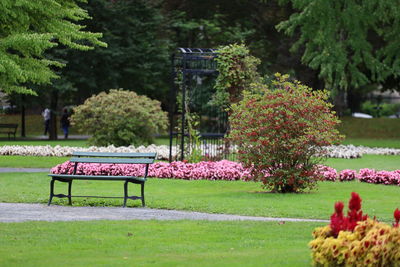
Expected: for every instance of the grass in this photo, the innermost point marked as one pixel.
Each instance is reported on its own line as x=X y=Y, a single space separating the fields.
x=377 y=128
x=369 y=142
x=30 y=161
x=377 y=162
x=244 y=198
x=194 y=243
x=155 y=243
x=352 y=128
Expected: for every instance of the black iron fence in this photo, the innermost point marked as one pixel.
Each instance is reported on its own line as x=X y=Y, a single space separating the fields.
x=212 y=146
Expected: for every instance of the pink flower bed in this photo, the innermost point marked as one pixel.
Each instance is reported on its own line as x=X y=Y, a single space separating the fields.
x=219 y=170
x=330 y=174
x=205 y=170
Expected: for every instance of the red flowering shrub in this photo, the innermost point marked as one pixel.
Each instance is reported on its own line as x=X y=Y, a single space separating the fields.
x=279 y=130
x=354 y=215
x=396 y=215
x=356 y=240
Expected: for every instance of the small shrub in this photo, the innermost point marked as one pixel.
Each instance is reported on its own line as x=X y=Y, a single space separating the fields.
x=279 y=130
x=237 y=69
x=356 y=240
x=120 y=118
x=379 y=110
x=347 y=175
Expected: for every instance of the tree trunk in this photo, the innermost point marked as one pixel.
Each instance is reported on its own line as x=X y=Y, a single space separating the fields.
x=23 y=121
x=22 y=103
x=340 y=102
x=53 y=117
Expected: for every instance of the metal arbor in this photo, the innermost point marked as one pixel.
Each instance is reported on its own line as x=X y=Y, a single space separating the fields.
x=195 y=68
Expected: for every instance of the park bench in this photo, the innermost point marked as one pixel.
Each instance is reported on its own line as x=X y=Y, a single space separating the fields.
x=9 y=129
x=109 y=158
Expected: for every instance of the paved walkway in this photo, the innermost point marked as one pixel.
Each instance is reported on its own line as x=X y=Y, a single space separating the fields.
x=21 y=212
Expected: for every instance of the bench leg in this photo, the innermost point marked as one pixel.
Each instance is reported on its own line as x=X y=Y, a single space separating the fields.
x=69 y=193
x=142 y=191
x=51 y=191
x=125 y=192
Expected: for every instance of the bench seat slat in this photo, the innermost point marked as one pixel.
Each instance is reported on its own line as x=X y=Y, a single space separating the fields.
x=110 y=154
x=112 y=160
x=96 y=177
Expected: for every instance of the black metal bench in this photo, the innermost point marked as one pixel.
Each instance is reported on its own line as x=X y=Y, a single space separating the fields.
x=9 y=129
x=109 y=158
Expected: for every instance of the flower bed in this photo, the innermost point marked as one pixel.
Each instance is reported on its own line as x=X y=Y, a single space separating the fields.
x=65 y=151
x=341 y=151
x=220 y=170
x=206 y=170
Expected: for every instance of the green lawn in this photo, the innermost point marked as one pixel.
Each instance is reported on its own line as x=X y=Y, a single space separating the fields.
x=369 y=142
x=187 y=243
x=232 y=197
x=367 y=161
x=376 y=128
x=378 y=162
x=30 y=161
x=155 y=243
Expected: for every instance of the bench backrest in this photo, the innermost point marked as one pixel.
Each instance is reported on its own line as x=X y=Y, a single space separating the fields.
x=118 y=158
x=8 y=125
x=113 y=158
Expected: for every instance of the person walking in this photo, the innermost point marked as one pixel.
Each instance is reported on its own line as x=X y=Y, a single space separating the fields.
x=65 y=122
x=46 y=117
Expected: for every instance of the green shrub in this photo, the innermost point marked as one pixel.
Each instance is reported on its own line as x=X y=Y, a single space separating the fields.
x=237 y=69
x=381 y=110
x=120 y=118
x=279 y=130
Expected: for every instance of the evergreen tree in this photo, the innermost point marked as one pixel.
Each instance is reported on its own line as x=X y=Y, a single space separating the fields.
x=137 y=56
x=351 y=43
x=28 y=29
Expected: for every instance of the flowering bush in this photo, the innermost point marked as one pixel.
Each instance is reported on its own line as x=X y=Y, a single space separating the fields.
x=379 y=177
x=347 y=175
x=328 y=173
x=356 y=240
x=279 y=130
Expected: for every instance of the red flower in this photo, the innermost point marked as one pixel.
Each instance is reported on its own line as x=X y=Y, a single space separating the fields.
x=339 y=207
x=354 y=215
x=355 y=202
x=396 y=215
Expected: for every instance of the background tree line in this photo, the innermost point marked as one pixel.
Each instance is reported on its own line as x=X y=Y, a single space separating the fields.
x=349 y=47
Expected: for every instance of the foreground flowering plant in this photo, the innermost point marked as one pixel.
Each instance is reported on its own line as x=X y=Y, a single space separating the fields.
x=356 y=240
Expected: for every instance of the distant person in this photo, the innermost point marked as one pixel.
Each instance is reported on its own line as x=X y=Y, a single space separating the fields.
x=46 y=117
x=65 y=122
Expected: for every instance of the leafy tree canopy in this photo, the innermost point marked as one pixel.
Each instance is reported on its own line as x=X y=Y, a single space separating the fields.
x=351 y=43
x=28 y=29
